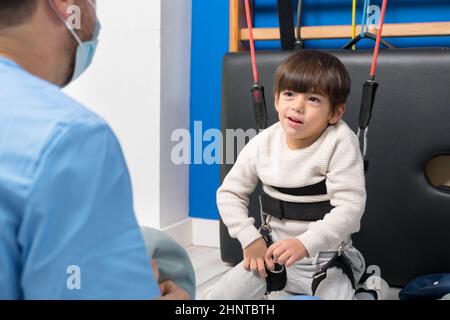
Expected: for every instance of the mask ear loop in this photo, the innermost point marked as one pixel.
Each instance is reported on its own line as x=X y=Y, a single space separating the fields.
x=68 y=26
x=94 y=5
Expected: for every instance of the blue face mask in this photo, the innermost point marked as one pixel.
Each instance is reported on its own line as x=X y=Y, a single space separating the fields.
x=85 y=50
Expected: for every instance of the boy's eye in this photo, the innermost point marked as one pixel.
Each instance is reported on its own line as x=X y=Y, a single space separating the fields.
x=314 y=99
x=288 y=94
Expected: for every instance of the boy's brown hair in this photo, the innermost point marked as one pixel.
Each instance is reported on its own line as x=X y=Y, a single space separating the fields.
x=311 y=71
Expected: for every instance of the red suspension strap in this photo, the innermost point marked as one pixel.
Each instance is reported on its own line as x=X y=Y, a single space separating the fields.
x=257 y=90
x=252 y=41
x=377 y=44
x=276 y=279
x=369 y=92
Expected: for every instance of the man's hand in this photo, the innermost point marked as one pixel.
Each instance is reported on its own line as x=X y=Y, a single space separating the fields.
x=155 y=269
x=254 y=257
x=285 y=252
x=170 y=291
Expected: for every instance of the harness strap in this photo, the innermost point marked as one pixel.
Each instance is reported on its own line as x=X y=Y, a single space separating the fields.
x=353 y=22
x=365 y=31
x=286 y=19
x=364 y=25
x=258 y=97
x=306 y=211
x=312 y=190
x=367 y=35
x=338 y=261
x=276 y=279
x=299 y=44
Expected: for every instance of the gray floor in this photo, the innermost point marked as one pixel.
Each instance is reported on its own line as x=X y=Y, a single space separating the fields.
x=209 y=268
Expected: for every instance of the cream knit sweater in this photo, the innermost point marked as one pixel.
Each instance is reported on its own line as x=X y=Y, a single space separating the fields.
x=334 y=156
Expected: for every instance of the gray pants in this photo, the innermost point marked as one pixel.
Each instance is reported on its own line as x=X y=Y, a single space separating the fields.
x=240 y=284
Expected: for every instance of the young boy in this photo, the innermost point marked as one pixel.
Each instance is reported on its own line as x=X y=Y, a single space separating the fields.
x=311 y=167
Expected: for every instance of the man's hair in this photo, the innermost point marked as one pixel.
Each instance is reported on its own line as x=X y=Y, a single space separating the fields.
x=15 y=12
x=311 y=71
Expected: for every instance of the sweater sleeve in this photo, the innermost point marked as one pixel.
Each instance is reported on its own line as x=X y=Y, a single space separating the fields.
x=346 y=189
x=233 y=196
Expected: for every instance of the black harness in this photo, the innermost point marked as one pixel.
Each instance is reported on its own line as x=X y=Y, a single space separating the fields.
x=294 y=211
x=307 y=211
x=340 y=261
x=313 y=211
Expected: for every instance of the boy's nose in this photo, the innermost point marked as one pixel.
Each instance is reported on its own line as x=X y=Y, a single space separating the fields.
x=298 y=106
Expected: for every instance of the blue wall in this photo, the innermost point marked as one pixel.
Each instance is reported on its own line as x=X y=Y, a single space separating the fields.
x=210 y=27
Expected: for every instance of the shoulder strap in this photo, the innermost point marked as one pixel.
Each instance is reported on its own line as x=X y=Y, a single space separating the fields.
x=286 y=20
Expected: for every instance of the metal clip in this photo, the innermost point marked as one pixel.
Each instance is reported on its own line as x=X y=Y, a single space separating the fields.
x=319 y=274
x=264 y=218
x=341 y=249
x=277 y=271
x=364 y=144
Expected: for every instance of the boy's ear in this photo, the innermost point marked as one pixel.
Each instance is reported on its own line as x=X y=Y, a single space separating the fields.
x=276 y=101
x=337 y=115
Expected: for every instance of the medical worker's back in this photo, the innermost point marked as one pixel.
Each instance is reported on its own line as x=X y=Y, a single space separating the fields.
x=67 y=226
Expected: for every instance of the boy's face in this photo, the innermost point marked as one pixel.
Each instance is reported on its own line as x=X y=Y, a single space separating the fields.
x=304 y=116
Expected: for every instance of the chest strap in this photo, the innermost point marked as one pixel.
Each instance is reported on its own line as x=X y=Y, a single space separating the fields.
x=306 y=211
x=312 y=190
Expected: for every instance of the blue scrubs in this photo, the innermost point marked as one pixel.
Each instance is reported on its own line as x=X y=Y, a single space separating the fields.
x=67 y=225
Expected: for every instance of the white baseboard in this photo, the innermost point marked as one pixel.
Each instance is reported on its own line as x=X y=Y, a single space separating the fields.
x=205 y=233
x=195 y=232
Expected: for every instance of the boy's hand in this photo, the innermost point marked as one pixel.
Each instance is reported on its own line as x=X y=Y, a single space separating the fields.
x=285 y=252
x=254 y=257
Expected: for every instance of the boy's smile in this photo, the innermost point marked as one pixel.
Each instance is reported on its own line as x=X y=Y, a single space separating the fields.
x=295 y=122
x=304 y=116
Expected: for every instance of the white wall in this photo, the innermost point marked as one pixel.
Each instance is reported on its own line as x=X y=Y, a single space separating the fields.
x=175 y=94
x=125 y=85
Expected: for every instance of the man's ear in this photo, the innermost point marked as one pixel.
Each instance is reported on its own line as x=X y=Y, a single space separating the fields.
x=61 y=7
x=337 y=115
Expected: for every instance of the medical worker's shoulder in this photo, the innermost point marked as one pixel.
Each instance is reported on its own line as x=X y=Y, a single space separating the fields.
x=65 y=109
x=60 y=111
x=36 y=119
x=59 y=119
